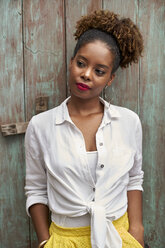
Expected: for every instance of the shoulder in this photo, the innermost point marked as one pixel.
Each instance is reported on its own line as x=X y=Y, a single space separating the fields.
x=128 y=122
x=51 y=116
x=44 y=121
x=121 y=113
x=126 y=116
x=125 y=112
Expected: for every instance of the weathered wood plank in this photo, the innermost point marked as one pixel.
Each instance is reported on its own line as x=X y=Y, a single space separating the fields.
x=44 y=53
x=13 y=219
x=152 y=114
x=20 y=127
x=14 y=128
x=124 y=89
x=74 y=10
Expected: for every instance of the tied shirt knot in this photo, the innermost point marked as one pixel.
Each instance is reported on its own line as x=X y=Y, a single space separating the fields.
x=103 y=232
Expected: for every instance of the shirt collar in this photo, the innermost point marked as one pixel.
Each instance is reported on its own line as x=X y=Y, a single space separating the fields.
x=110 y=112
x=62 y=113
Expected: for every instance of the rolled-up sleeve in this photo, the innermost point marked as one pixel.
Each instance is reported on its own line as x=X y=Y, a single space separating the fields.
x=136 y=174
x=36 y=180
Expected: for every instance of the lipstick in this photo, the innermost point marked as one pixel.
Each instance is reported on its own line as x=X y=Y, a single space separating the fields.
x=82 y=86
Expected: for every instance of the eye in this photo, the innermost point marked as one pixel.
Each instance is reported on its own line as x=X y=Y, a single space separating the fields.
x=99 y=72
x=80 y=64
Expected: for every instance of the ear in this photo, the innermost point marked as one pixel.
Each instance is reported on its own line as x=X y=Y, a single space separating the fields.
x=70 y=63
x=111 y=80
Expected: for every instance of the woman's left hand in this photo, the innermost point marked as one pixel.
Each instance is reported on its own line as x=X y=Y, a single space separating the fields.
x=138 y=234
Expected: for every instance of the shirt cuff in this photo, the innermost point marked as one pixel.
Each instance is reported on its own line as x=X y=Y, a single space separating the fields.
x=135 y=182
x=31 y=200
x=135 y=187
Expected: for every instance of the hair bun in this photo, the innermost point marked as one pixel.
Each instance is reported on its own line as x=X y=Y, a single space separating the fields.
x=126 y=33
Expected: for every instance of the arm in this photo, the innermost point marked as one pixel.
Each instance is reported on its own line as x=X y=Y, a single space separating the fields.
x=136 y=228
x=134 y=191
x=40 y=217
x=36 y=184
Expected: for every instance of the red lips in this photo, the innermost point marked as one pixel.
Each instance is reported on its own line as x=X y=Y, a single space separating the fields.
x=82 y=86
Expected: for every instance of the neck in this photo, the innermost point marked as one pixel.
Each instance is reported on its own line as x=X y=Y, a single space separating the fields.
x=84 y=106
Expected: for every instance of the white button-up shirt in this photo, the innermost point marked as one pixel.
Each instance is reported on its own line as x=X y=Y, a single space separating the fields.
x=58 y=174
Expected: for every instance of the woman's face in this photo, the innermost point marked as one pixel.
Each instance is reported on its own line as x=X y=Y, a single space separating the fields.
x=90 y=70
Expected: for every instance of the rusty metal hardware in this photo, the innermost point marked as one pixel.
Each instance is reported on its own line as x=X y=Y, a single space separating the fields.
x=20 y=127
x=41 y=104
x=14 y=128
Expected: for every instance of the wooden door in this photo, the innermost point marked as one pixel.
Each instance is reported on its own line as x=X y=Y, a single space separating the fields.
x=36 y=44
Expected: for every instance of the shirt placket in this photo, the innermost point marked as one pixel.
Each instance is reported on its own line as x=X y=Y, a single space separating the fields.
x=101 y=166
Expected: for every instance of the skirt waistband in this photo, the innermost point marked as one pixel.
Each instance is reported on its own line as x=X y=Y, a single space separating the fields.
x=76 y=236
x=76 y=225
x=70 y=231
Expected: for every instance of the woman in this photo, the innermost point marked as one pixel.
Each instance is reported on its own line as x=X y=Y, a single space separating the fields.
x=84 y=157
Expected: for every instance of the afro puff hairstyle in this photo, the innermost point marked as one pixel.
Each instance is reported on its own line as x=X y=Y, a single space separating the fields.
x=121 y=35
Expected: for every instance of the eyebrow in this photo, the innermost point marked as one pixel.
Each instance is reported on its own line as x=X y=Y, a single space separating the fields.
x=100 y=65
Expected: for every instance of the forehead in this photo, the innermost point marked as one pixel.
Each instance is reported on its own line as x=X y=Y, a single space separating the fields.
x=97 y=52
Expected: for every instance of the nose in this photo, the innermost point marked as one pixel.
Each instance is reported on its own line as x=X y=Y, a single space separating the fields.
x=86 y=74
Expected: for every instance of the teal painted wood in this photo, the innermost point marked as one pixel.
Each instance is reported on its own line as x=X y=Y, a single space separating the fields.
x=13 y=219
x=152 y=113
x=124 y=89
x=44 y=52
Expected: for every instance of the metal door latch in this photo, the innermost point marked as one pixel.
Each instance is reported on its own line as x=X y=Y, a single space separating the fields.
x=20 y=127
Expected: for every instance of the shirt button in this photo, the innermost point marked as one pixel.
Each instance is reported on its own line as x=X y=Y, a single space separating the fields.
x=102 y=166
x=94 y=189
x=93 y=199
x=101 y=144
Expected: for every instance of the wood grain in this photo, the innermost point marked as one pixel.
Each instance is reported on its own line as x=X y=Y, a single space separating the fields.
x=152 y=114
x=14 y=128
x=44 y=52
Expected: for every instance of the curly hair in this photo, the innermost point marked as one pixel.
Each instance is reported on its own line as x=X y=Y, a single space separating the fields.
x=121 y=35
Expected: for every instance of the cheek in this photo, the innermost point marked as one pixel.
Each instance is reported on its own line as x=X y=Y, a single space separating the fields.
x=72 y=75
x=74 y=72
x=71 y=72
x=101 y=81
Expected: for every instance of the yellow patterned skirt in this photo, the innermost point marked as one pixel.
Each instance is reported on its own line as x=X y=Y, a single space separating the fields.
x=68 y=237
